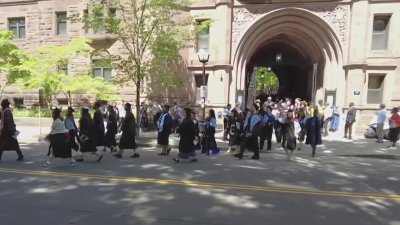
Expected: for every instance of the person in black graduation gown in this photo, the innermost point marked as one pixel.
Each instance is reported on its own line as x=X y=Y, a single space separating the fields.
x=87 y=135
x=112 y=129
x=187 y=133
x=164 y=127
x=128 y=129
x=98 y=122
x=8 y=131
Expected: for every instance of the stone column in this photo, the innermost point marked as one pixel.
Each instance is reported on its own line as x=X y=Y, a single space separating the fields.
x=358 y=49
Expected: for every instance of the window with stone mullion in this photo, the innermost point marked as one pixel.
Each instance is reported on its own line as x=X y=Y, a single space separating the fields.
x=62 y=23
x=17 y=26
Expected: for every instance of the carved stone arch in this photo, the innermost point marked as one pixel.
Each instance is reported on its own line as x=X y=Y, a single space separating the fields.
x=305 y=31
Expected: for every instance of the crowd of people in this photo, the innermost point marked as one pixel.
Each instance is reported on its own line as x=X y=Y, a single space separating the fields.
x=293 y=123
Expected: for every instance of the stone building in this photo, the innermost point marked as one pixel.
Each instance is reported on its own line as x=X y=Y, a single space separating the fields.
x=338 y=51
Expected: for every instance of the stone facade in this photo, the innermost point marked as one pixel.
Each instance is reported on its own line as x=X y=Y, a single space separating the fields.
x=336 y=35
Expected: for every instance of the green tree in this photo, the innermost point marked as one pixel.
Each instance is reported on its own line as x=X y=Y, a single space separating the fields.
x=44 y=72
x=151 y=31
x=11 y=60
x=267 y=81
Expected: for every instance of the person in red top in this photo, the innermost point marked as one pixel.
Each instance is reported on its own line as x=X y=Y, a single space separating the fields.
x=394 y=130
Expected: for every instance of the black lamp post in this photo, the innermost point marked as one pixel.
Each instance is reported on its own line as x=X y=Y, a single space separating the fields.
x=204 y=56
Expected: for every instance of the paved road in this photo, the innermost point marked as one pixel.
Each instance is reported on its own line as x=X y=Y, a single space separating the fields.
x=348 y=183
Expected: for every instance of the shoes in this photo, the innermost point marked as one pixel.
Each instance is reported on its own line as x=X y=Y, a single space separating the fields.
x=176 y=160
x=162 y=154
x=99 y=158
x=73 y=163
x=255 y=157
x=118 y=155
x=168 y=151
x=46 y=164
x=135 y=155
x=193 y=160
x=238 y=155
x=20 y=159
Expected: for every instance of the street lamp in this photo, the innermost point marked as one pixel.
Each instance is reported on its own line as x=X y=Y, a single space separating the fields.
x=204 y=56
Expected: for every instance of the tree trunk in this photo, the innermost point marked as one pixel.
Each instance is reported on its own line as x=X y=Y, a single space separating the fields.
x=138 y=105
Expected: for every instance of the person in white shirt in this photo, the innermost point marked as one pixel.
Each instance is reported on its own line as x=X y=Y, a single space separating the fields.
x=380 y=121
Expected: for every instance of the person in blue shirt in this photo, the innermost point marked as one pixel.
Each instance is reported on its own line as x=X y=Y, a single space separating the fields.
x=164 y=130
x=267 y=127
x=251 y=132
x=211 y=125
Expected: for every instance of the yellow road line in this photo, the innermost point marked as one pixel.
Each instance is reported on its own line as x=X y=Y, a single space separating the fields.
x=192 y=183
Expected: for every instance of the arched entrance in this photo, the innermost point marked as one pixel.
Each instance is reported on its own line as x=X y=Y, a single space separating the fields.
x=299 y=46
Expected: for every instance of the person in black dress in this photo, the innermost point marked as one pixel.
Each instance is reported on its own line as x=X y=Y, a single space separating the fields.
x=164 y=127
x=87 y=135
x=128 y=129
x=8 y=131
x=112 y=129
x=313 y=129
x=98 y=121
x=187 y=133
x=60 y=146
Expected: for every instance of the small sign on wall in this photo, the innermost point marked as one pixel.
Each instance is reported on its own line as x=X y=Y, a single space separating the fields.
x=357 y=92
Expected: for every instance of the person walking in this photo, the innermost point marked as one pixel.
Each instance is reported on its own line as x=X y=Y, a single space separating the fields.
x=8 y=131
x=267 y=128
x=335 y=119
x=87 y=135
x=70 y=125
x=60 y=146
x=187 y=134
x=197 y=144
x=394 y=124
x=313 y=128
x=289 y=137
x=112 y=129
x=301 y=118
x=128 y=129
x=164 y=128
x=234 y=129
x=350 y=119
x=226 y=114
x=251 y=132
x=98 y=121
x=210 y=127
x=380 y=121
x=176 y=116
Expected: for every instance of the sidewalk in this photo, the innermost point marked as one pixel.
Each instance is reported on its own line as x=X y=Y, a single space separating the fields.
x=333 y=144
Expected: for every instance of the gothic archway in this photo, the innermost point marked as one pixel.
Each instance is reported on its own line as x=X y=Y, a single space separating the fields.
x=311 y=37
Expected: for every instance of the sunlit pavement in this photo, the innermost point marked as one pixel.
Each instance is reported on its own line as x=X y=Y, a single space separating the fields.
x=349 y=182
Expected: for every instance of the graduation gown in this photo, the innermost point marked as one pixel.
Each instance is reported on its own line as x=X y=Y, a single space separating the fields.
x=99 y=128
x=7 y=141
x=128 y=132
x=164 y=129
x=187 y=132
x=87 y=128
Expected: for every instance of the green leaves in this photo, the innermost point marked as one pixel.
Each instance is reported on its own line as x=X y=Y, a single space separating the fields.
x=11 y=59
x=42 y=68
x=267 y=81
